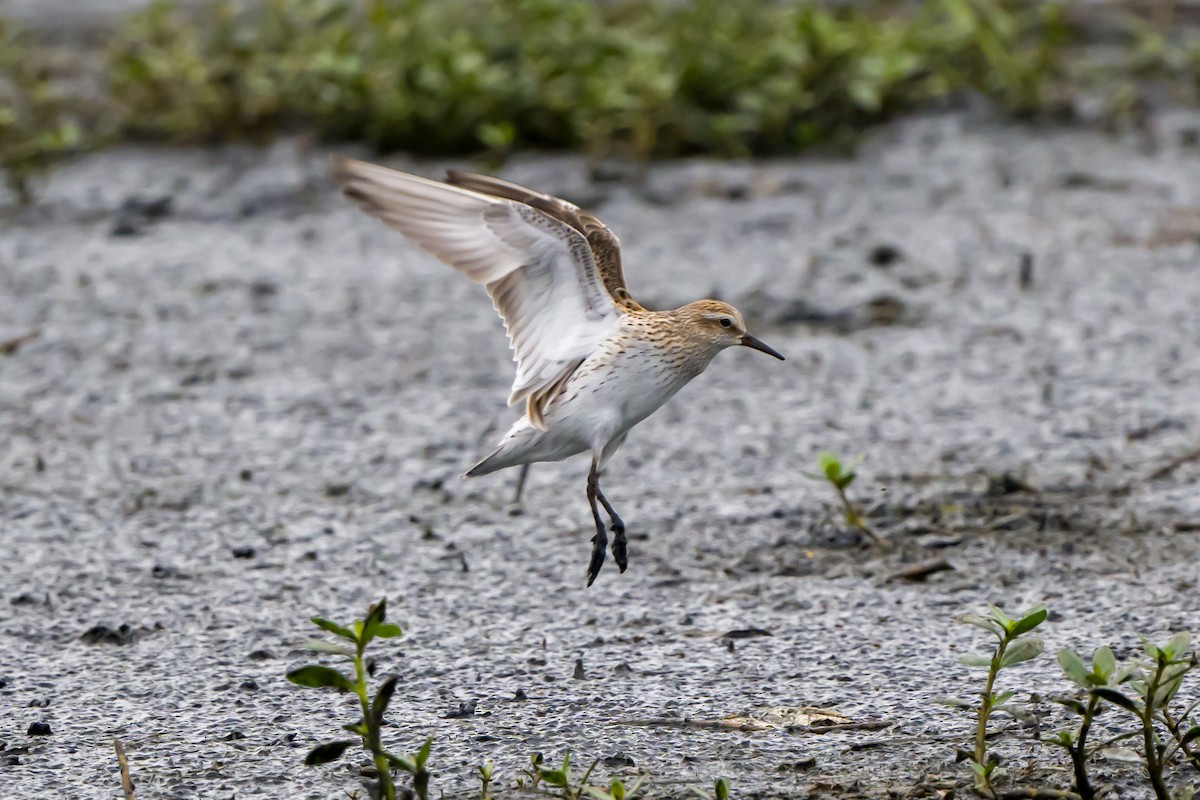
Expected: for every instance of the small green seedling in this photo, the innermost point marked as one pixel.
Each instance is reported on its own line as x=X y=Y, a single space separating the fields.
x=318 y=676
x=616 y=790
x=561 y=778
x=1101 y=673
x=840 y=477
x=1013 y=646
x=720 y=790
x=1155 y=683
x=485 y=779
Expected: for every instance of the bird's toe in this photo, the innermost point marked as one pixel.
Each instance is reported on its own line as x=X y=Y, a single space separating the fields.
x=597 y=561
x=619 y=554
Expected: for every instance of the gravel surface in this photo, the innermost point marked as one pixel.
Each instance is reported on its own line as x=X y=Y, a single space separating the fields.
x=230 y=401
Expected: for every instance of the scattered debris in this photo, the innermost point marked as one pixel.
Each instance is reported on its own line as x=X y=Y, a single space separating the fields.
x=123 y=762
x=463 y=711
x=921 y=570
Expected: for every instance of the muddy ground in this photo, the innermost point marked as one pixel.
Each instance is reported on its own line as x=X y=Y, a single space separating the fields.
x=242 y=403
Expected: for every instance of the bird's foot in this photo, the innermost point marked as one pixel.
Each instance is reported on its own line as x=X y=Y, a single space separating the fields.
x=618 y=545
x=599 y=541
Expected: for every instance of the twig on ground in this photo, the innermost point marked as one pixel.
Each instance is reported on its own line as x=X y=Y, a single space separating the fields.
x=1174 y=464
x=123 y=762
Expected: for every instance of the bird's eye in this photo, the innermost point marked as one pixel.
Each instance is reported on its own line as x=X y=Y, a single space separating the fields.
x=726 y=322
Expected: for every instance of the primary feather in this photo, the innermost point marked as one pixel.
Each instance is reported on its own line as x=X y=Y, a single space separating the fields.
x=540 y=272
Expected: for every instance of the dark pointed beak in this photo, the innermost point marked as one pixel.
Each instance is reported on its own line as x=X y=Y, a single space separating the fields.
x=750 y=341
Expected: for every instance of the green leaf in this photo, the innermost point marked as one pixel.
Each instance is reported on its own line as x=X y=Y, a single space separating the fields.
x=333 y=627
x=1104 y=662
x=721 y=789
x=830 y=466
x=554 y=777
x=375 y=617
x=324 y=753
x=423 y=753
x=356 y=727
x=1003 y=620
x=980 y=622
x=1002 y=697
x=972 y=660
x=1122 y=754
x=1017 y=712
x=402 y=763
x=1074 y=668
x=318 y=646
x=383 y=696
x=616 y=789
x=1178 y=645
x=388 y=631
x=1118 y=699
x=1032 y=618
x=1063 y=738
x=1192 y=734
x=1021 y=650
x=319 y=677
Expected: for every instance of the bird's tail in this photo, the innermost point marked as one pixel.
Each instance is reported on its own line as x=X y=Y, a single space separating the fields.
x=515 y=448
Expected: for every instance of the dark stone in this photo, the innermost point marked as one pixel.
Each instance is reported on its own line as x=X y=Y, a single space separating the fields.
x=103 y=634
x=39 y=729
x=243 y=552
x=885 y=255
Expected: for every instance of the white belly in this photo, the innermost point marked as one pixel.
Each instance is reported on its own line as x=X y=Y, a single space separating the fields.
x=614 y=390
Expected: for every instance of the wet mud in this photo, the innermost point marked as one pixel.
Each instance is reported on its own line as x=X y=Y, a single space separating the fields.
x=229 y=401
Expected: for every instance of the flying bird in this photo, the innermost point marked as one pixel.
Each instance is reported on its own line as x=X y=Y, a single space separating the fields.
x=591 y=361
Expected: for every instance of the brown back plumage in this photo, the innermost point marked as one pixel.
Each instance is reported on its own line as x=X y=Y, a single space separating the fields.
x=606 y=248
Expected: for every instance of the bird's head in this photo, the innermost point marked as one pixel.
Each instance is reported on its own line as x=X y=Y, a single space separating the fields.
x=719 y=325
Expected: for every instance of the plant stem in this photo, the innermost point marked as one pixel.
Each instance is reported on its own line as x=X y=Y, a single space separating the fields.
x=1173 y=726
x=983 y=783
x=1078 y=750
x=382 y=768
x=1149 y=740
x=855 y=519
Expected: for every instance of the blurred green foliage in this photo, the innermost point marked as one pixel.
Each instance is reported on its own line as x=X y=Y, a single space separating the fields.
x=642 y=77
x=37 y=116
x=636 y=78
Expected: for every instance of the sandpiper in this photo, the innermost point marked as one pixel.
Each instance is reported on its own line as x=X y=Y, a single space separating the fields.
x=591 y=361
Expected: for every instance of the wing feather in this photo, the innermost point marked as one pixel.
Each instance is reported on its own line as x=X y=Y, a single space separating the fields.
x=540 y=272
x=606 y=247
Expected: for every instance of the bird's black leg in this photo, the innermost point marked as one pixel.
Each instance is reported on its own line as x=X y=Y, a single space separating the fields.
x=521 y=483
x=618 y=527
x=600 y=540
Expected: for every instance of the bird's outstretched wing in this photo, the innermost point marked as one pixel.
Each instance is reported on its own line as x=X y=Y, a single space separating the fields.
x=539 y=271
x=606 y=247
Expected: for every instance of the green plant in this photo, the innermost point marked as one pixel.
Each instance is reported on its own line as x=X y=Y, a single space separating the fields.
x=720 y=790
x=1014 y=645
x=560 y=778
x=1155 y=683
x=840 y=477
x=641 y=78
x=616 y=790
x=485 y=779
x=37 y=118
x=1101 y=673
x=360 y=634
